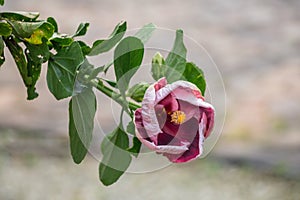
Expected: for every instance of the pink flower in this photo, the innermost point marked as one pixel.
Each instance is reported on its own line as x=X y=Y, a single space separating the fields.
x=174 y=120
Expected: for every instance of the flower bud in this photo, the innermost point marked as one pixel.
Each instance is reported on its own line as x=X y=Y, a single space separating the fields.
x=137 y=91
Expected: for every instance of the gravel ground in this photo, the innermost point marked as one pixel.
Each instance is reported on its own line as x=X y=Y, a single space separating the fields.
x=33 y=178
x=34 y=167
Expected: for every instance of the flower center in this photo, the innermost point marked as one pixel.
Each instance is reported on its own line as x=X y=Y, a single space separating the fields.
x=178 y=117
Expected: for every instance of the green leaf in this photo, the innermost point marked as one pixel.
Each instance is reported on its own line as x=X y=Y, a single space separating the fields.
x=130 y=128
x=5 y=29
x=116 y=158
x=158 y=66
x=20 y=16
x=82 y=109
x=2 y=58
x=46 y=30
x=176 y=59
x=145 y=32
x=25 y=29
x=137 y=91
x=1 y=2
x=136 y=143
x=35 y=55
x=39 y=53
x=111 y=83
x=84 y=76
x=34 y=71
x=136 y=147
x=28 y=67
x=62 y=69
x=84 y=48
x=19 y=57
x=96 y=71
x=104 y=45
x=81 y=30
x=60 y=41
x=53 y=22
x=195 y=75
x=128 y=56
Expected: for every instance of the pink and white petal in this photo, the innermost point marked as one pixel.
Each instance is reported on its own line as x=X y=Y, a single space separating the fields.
x=190 y=110
x=201 y=138
x=189 y=87
x=163 y=148
x=191 y=154
x=208 y=111
x=170 y=149
x=170 y=103
x=188 y=95
x=148 y=112
x=185 y=94
x=160 y=83
x=208 y=118
x=138 y=121
x=146 y=142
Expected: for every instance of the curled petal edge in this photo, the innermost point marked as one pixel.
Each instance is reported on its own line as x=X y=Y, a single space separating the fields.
x=163 y=148
x=148 y=113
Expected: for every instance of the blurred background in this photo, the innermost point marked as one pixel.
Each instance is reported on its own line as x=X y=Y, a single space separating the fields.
x=255 y=45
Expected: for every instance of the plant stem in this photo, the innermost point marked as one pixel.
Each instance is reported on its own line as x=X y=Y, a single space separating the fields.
x=115 y=96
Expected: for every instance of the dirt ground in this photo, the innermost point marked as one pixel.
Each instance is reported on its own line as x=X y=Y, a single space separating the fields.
x=255 y=45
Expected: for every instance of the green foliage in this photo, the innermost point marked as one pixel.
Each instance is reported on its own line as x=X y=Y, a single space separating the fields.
x=1 y=2
x=136 y=143
x=195 y=75
x=81 y=30
x=137 y=91
x=128 y=56
x=116 y=159
x=104 y=45
x=32 y=32
x=158 y=66
x=62 y=69
x=60 y=41
x=176 y=59
x=53 y=22
x=173 y=67
x=28 y=70
x=136 y=147
x=130 y=128
x=145 y=32
x=19 y=16
x=5 y=29
x=82 y=109
x=2 y=58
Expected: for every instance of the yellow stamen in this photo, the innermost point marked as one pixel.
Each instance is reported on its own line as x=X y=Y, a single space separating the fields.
x=178 y=117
